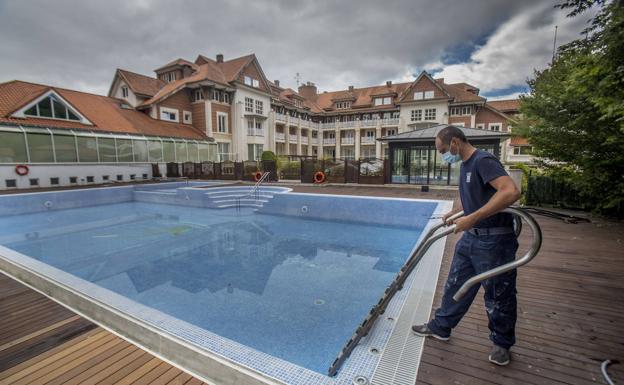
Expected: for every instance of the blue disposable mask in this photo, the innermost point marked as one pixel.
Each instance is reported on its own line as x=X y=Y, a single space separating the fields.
x=451 y=158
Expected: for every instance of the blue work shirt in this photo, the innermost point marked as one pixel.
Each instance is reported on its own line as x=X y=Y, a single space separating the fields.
x=475 y=190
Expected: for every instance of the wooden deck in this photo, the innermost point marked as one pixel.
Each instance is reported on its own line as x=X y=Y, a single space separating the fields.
x=571 y=312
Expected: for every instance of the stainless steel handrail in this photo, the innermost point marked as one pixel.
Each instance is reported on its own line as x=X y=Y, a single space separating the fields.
x=254 y=190
x=533 y=250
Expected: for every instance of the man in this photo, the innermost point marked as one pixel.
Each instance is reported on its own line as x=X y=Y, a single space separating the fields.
x=488 y=241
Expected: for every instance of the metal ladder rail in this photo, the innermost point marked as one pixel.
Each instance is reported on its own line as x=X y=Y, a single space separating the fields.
x=254 y=190
x=413 y=261
x=397 y=284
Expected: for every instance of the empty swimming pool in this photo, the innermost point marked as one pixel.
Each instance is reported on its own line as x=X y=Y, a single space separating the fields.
x=276 y=286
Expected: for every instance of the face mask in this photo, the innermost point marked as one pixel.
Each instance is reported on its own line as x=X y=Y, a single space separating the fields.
x=451 y=158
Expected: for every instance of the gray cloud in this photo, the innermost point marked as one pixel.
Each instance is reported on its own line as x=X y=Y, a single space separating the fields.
x=78 y=44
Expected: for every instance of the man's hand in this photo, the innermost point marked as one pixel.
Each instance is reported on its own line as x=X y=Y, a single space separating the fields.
x=445 y=217
x=465 y=223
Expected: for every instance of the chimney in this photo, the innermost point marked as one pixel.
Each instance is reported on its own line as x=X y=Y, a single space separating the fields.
x=308 y=91
x=350 y=88
x=389 y=83
x=276 y=82
x=219 y=58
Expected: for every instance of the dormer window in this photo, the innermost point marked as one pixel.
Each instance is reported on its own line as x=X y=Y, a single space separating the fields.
x=124 y=91
x=383 y=101
x=251 y=82
x=50 y=106
x=428 y=94
x=343 y=105
x=169 y=77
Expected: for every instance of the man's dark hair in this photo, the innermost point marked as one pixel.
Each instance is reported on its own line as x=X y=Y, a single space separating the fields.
x=450 y=132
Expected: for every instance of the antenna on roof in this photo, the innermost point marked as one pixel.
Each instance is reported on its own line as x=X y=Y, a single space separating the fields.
x=298 y=78
x=554 y=47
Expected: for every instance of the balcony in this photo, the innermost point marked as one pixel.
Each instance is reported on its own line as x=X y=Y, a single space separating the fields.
x=329 y=141
x=294 y=121
x=314 y=140
x=292 y=138
x=281 y=117
x=390 y=122
x=255 y=132
x=304 y=140
x=368 y=123
x=279 y=136
x=347 y=140
x=328 y=126
x=367 y=140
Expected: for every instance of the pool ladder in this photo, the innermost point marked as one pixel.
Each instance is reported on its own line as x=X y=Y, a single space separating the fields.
x=430 y=238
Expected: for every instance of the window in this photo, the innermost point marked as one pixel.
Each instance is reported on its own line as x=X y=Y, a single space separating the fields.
x=132 y=176
x=481 y=126
x=259 y=107
x=418 y=95
x=181 y=152
x=226 y=98
x=454 y=111
x=124 y=91
x=390 y=131
x=40 y=147
x=343 y=105
x=65 y=148
x=139 y=149
x=383 y=101
x=259 y=131
x=144 y=176
x=249 y=81
x=73 y=179
x=430 y=114
x=12 y=147
x=198 y=95
x=154 y=150
x=169 y=77
x=119 y=177
x=416 y=115
x=466 y=110
x=387 y=100
x=87 y=149
x=34 y=181
x=223 y=150
x=256 y=83
x=188 y=117
x=168 y=151
x=10 y=183
x=90 y=179
x=106 y=149
x=168 y=114
x=254 y=151
x=52 y=107
x=124 y=150
x=495 y=126
x=222 y=122
x=428 y=94
x=249 y=104
x=523 y=150
x=105 y=178
x=54 y=181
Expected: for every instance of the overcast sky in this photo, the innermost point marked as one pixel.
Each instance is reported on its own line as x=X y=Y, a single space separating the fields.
x=492 y=44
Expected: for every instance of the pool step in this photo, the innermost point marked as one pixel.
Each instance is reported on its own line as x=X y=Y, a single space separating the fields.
x=238 y=197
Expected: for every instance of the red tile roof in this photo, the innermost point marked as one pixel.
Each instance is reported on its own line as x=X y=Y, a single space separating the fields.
x=460 y=94
x=519 y=141
x=141 y=84
x=177 y=62
x=508 y=105
x=104 y=112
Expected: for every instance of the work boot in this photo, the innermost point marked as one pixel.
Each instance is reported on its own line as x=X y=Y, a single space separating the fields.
x=424 y=331
x=499 y=356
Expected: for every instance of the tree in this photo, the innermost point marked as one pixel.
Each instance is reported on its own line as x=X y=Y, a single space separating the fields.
x=574 y=113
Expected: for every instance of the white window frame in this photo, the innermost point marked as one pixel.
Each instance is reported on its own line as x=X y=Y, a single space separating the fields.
x=428 y=113
x=167 y=110
x=498 y=124
x=224 y=116
x=378 y=101
x=249 y=104
x=190 y=117
x=416 y=115
x=429 y=94
x=466 y=110
x=390 y=131
x=198 y=95
x=255 y=83
x=387 y=100
x=248 y=80
x=20 y=113
x=259 y=107
x=481 y=126
x=418 y=95
x=124 y=91
x=170 y=77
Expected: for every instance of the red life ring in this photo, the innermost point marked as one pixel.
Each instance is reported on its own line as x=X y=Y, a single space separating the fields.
x=319 y=177
x=21 y=169
x=257 y=175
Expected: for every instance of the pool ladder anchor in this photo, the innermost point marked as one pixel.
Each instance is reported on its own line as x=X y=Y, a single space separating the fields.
x=417 y=254
x=254 y=191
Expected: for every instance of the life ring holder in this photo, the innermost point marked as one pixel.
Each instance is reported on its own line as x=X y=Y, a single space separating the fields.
x=21 y=169
x=257 y=175
x=319 y=177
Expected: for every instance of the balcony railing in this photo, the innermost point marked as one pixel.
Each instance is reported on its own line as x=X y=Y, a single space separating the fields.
x=294 y=121
x=367 y=140
x=280 y=136
x=292 y=138
x=304 y=140
x=255 y=132
x=329 y=141
x=390 y=122
x=314 y=140
x=281 y=117
x=368 y=123
x=326 y=126
x=347 y=140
